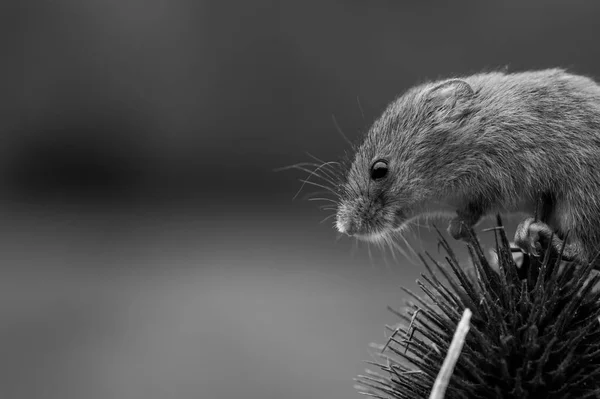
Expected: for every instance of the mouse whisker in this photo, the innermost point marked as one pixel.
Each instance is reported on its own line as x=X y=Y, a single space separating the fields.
x=323 y=199
x=335 y=177
x=360 y=108
x=314 y=173
x=330 y=168
x=413 y=256
x=322 y=161
x=417 y=227
x=326 y=208
x=334 y=166
x=327 y=218
x=401 y=250
x=370 y=255
x=389 y=240
x=321 y=193
x=341 y=132
x=314 y=184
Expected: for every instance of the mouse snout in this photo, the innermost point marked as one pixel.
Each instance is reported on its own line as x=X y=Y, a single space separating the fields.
x=347 y=227
x=358 y=219
x=345 y=223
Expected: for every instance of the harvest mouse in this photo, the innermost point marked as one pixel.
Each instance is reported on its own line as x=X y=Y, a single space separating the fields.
x=468 y=147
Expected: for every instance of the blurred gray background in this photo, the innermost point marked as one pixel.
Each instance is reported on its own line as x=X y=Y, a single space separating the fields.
x=148 y=250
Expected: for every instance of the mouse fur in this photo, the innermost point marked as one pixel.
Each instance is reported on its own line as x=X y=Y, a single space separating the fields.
x=467 y=147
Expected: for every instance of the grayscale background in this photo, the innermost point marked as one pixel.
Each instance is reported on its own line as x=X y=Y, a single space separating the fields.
x=147 y=248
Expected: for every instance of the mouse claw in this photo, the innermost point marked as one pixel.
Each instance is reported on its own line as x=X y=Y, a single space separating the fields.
x=535 y=248
x=531 y=235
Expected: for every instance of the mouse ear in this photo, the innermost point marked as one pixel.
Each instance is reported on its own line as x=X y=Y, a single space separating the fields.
x=449 y=99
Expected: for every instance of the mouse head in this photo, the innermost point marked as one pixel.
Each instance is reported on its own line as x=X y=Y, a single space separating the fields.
x=403 y=163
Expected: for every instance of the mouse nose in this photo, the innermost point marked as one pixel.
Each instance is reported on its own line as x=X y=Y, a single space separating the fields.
x=347 y=227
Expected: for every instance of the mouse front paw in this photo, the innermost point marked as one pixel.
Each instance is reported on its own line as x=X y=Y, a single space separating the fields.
x=533 y=237
x=459 y=229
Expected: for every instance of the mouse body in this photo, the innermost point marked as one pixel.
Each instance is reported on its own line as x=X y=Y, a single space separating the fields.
x=464 y=148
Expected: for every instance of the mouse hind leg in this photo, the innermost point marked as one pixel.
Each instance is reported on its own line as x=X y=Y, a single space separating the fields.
x=534 y=236
x=548 y=229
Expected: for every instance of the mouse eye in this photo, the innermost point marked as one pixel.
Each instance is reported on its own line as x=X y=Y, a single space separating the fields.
x=379 y=170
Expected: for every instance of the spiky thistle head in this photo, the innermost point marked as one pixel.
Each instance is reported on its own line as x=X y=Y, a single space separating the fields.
x=534 y=330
